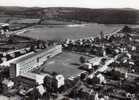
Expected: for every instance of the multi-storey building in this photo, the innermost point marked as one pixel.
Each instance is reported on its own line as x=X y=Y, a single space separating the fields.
x=29 y=62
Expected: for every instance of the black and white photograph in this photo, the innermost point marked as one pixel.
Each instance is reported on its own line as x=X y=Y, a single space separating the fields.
x=69 y=49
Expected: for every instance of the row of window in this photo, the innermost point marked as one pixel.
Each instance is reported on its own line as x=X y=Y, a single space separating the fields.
x=37 y=60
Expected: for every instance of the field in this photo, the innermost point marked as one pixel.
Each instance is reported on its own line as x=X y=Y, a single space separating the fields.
x=17 y=20
x=66 y=63
x=24 y=21
x=17 y=23
x=54 y=29
x=63 y=31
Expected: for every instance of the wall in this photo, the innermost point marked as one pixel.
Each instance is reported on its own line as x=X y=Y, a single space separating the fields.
x=28 y=64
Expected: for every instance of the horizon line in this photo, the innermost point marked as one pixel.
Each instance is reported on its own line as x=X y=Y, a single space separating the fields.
x=70 y=7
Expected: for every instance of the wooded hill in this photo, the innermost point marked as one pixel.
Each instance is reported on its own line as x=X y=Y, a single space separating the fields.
x=104 y=16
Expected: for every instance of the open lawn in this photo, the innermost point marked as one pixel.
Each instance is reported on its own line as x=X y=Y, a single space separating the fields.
x=24 y=21
x=63 y=32
x=66 y=63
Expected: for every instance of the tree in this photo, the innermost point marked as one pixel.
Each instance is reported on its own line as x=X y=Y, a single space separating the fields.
x=1 y=87
x=47 y=83
x=32 y=48
x=34 y=94
x=102 y=37
x=50 y=84
x=126 y=29
x=82 y=59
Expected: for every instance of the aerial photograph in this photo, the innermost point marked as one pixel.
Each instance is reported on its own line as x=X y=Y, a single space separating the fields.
x=69 y=49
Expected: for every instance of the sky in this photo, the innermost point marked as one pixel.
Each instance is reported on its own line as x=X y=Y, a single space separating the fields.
x=73 y=3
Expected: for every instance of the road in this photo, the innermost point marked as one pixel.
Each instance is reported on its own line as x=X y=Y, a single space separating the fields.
x=114 y=32
x=129 y=74
x=18 y=32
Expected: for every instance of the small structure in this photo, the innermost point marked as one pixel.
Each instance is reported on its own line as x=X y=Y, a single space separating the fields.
x=86 y=66
x=41 y=89
x=8 y=83
x=95 y=61
x=4 y=27
x=60 y=80
x=101 y=78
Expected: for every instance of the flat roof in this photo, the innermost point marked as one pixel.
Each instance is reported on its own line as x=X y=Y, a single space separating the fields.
x=2 y=24
x=95 y=59
x=66 y=63
x=31 y=75
x=19 y=43
x=12 y=47
x=33 y=54
x=7 y=63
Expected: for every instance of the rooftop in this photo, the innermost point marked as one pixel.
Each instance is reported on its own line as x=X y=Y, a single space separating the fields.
x=19 y=42
x=4 y=24
x=32 y=55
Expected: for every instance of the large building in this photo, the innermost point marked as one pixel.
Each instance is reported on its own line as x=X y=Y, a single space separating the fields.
x=31 y=61
x=64 y=63
x=14 y=46
x=11 y=45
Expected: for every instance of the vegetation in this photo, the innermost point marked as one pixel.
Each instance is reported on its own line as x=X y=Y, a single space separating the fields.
x=33 y=95
x=82 y=59
x=105 y=16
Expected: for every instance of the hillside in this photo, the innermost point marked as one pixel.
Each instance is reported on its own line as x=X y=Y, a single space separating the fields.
x=104 y=16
